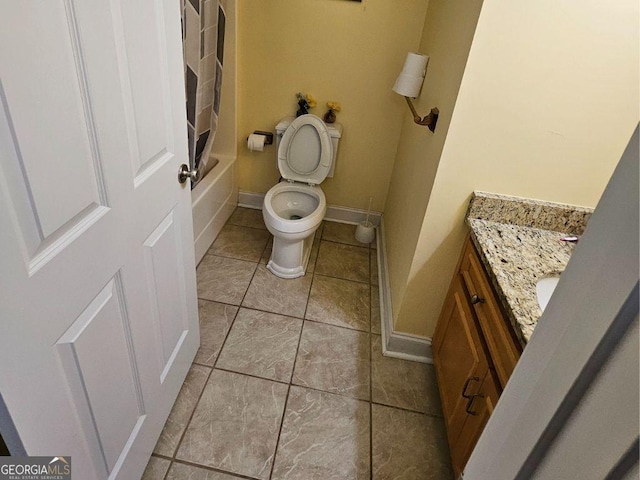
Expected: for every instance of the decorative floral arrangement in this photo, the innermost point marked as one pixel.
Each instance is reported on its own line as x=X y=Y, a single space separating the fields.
x=330 y=116
x=305 y=102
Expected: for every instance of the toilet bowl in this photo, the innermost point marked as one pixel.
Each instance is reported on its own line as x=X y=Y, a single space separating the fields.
x=294 y=208
x=292 y=213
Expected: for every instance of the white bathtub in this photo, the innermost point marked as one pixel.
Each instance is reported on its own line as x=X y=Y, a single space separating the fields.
x=213 y=201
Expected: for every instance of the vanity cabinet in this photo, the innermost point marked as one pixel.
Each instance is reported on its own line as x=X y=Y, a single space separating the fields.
x=474 y=351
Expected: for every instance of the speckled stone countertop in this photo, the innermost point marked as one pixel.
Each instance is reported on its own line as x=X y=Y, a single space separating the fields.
x=518 y=242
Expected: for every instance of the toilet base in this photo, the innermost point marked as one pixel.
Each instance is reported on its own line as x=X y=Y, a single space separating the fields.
x=289 y=259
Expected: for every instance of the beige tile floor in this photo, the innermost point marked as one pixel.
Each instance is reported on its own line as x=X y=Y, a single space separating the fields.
x=290 y=381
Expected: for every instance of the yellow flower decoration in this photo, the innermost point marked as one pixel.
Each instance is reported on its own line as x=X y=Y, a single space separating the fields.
x=311 y=101
x=335 y=106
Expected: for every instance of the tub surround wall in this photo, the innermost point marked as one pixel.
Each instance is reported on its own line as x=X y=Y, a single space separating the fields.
x=521 y=126
x=350 y=52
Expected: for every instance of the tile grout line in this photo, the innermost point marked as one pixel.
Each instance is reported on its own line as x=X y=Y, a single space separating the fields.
x=362 y=245
x=159 y=455
x=345 y=279
x=175 y=452
x=337 y=326
x=214 y=469
x=295 y=359
x=287 y=316
x=169 y=459
x=231 y=222
x=284 y=412
x=286 y=402
x=265 y=248
x=293 y=368
x=315 y=389
x=244 y=295
x=235 y=258
x=227 y=370
x=306 y=306
x=369 y=401
x=368 y=282
x=249 y=226
x=253 y=308
x=408 y=410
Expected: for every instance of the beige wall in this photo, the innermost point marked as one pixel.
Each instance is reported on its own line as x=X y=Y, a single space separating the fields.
x=447 y=35
x=547 y=104
x=350 y=52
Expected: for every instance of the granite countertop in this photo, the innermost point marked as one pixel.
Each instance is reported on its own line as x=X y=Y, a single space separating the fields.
x=518 y=242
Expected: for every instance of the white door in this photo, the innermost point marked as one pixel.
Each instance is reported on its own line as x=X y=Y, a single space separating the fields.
x=98 y=311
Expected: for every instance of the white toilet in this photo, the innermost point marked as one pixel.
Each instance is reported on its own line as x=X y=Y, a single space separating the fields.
x=294 y=208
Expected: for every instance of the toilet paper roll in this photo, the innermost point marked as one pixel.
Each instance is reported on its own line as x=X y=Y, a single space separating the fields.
x=255 y=142
x=415 y=64
x=408 y=85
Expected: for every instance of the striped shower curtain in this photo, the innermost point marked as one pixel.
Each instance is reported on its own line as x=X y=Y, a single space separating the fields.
x=203 y=29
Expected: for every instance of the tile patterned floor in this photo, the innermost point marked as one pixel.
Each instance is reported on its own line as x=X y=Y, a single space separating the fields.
x=290 y=381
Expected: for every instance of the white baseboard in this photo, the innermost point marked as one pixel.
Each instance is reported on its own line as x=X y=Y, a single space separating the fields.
x=334 y=213
x=250 y=200
x=396 y=344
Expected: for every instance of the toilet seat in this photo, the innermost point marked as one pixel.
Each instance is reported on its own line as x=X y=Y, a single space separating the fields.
x=305 y=153
x=286 y=226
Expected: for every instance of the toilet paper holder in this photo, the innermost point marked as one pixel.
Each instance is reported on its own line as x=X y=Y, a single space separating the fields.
x=269 y=136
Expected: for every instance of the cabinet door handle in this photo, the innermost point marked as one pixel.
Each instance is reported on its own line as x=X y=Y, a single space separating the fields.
x=476 y=299
x=470 y=403
x=466 y=385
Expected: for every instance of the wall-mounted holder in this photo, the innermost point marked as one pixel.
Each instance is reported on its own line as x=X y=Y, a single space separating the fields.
x=429 y=121
x=409 y=83
x=258 y=139
x=269 y=135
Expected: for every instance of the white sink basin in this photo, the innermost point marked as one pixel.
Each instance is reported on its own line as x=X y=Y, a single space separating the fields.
x=545 y=288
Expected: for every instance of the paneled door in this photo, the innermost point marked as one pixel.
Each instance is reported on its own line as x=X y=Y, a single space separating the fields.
x=98 y=310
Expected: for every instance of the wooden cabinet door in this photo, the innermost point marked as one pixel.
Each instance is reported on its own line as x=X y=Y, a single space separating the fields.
x=459 y=357
x=503 y=347
x=481 y=408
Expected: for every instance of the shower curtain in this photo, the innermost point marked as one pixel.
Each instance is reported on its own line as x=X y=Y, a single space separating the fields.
x=203 y=30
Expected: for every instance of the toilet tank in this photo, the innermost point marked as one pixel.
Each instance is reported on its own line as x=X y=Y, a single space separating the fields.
x=335 y=130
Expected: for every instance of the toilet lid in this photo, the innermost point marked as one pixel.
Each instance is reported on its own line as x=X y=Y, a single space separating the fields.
x=305 y=152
